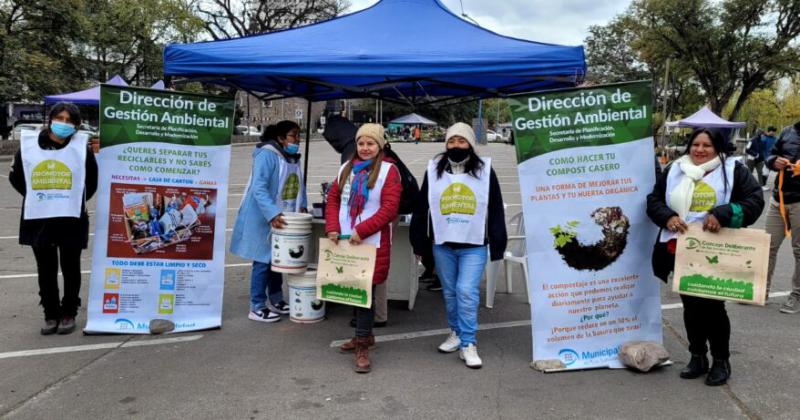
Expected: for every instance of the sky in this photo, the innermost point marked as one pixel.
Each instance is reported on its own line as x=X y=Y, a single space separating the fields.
x=563 y=22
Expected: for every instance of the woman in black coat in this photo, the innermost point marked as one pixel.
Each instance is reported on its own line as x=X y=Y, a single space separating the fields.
x=55 y=239
x=673 y=203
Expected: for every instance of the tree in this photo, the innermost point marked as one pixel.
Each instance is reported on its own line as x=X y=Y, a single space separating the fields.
x=224 y=19
x=35 y=53
x=125 y=37
x=728 y=48
x=613 y=56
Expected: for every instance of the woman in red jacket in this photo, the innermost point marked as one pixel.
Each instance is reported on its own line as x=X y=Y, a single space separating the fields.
x=362 y=211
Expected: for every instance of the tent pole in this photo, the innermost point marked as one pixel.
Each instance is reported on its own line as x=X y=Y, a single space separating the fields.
x=308 y=144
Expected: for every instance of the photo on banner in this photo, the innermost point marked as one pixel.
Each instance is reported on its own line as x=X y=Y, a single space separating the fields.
x=586 y=164
x=159 y=249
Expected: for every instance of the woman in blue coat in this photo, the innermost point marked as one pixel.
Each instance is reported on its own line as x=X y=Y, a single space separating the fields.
x=275 y=186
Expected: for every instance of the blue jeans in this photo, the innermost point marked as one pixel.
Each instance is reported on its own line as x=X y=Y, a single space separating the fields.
x=264 y=281
x=460 y=273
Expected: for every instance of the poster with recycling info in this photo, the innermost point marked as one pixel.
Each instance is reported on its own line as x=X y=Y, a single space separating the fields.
x=159 y=244
x=586 y=165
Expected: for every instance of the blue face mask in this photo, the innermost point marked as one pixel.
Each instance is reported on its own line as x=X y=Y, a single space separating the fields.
x=62 y=130
x=292 y=148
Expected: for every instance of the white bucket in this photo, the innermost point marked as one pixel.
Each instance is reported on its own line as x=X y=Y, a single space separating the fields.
x=290 y=245
x=303 y=303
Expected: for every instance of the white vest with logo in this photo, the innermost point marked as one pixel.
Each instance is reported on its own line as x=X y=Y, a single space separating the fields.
x=54 y=179
x=291 y=187
x=704 y=199
x=371 y=207
x=459 y=204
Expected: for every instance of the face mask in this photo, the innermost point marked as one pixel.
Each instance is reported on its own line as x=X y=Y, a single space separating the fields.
x=292 y=148
x=62 y=130
x=457 y=155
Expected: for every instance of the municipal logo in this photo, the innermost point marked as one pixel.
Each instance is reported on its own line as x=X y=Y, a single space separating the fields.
x=568 y=356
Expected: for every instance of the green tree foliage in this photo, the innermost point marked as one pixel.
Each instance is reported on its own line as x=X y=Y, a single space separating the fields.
x=727 y=49
x=49 y=47
x=778 y=105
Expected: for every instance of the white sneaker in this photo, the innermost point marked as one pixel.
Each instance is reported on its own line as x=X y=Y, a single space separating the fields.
x=264 y=315
x=451 y=344
x=470 y=356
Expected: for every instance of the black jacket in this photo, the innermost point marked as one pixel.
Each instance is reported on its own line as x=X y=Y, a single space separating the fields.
x=746 y=192
x=422 y=228
x=788 y=146
x=62 y=231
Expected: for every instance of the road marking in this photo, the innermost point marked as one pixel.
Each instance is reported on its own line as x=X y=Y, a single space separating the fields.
x=89 y=347
x=28 y=275
x=444 y=331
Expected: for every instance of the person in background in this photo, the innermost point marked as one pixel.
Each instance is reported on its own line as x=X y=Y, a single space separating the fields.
x=458 y=229
x=57 y=229
x=784 y=159
x=362 y=204
x=275 y=186
x=340 y=133
x=417 y=134
x=681 y=196
x=758 y=151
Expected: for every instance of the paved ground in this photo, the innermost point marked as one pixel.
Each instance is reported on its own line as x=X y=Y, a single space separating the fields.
x=248 y=370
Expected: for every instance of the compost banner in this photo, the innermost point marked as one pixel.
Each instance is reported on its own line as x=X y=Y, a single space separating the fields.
x=586 y=165
x=159 y=245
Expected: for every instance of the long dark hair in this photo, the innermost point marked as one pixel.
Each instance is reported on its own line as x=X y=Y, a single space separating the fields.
x=72 y=110
x=720 y=147
x=473 y=166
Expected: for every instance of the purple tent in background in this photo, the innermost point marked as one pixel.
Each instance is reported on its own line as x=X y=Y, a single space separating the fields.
x=89 y=96
x=705 y=118
x=158 y=85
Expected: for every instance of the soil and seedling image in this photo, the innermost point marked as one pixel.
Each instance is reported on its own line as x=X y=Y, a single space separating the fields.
x=615 y=226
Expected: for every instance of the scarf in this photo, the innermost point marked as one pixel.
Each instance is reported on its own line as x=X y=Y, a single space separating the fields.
x=680 y=199
x=359 y=191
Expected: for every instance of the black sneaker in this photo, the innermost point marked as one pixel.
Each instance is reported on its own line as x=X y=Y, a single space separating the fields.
x=280 y=307
x=264 y=315
x=67 y=325
x=436 y=285
x=50 y=327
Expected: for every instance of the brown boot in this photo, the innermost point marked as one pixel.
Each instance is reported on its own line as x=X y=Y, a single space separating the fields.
x=350 y=346
x=362 y=354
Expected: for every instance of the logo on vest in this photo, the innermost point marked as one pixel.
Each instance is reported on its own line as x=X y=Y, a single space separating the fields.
x=291 y=188
x=458 y=198
x=704 y=197
x=51 y=175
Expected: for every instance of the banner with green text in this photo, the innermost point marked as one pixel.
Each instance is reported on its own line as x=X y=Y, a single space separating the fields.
x=159 y=244
x=586 y=164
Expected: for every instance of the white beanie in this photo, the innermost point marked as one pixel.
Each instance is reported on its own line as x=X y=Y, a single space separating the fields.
x=463 y=130
x=373 y=131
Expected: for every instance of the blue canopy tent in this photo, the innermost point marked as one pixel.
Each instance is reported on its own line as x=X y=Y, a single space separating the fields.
x=407 y=51
x=414 y=50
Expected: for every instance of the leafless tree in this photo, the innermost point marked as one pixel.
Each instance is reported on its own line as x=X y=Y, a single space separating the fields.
x=226 y=19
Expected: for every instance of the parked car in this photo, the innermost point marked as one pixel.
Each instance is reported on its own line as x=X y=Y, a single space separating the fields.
x=494 y=136
x=246 y=130
x=16 y=134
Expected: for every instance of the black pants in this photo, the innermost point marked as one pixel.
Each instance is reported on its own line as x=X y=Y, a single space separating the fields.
x=707 y=320
x=365 y=318
x=47 y=258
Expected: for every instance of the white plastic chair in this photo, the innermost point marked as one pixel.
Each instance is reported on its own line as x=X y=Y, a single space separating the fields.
x=515 y=253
